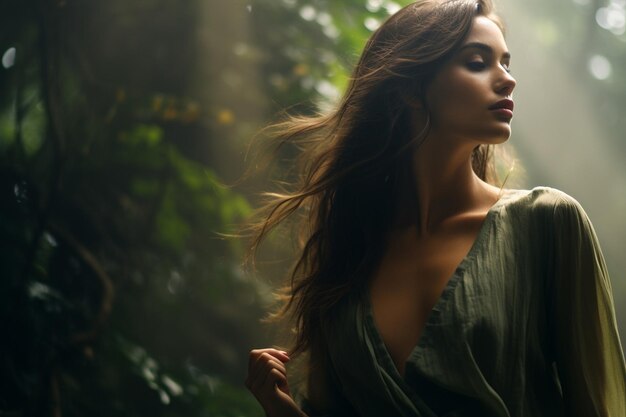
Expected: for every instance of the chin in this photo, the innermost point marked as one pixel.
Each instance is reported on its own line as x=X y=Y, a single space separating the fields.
x=500 y=140
x=496 y=137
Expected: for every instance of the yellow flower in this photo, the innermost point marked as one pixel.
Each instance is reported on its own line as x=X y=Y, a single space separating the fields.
x=170 y=113
x=301 y=70
x=225 y=117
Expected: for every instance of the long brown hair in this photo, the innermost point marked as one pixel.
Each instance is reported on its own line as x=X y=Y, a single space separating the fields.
x=357 y=157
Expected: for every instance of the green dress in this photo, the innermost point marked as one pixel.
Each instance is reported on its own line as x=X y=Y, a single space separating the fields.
x=526 y=319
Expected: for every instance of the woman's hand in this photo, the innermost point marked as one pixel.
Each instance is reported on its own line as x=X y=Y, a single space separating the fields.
x=267 y=380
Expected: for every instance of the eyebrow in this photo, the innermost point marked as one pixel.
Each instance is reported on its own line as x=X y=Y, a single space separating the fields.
x=484 y=47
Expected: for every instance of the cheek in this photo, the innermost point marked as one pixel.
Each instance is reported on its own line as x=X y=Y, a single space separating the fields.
x=464 y=89
x=455 y=107
x=457 y=95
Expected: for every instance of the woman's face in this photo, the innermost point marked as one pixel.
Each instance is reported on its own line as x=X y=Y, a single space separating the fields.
x=470 y=96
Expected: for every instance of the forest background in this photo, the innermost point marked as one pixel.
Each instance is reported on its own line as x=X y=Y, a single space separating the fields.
x=120 y=123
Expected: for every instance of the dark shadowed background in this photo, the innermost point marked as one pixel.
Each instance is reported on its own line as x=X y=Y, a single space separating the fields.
x=120 y=121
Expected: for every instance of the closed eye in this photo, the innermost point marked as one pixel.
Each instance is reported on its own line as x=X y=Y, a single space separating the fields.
x=476 y=65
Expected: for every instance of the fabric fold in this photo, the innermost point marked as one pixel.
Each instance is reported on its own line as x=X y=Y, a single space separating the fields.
x=524 y=328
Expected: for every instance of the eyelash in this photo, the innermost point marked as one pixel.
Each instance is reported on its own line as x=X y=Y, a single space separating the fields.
x=476 y=66
x=479 y=66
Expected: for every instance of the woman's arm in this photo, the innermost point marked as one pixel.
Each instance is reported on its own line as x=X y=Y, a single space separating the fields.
x=587 y=347
x=267 y=380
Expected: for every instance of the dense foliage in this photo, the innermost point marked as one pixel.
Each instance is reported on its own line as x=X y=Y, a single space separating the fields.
x=119 y=295
x=119 y=123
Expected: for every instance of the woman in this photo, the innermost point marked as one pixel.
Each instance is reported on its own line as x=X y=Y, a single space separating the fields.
x=422 y=289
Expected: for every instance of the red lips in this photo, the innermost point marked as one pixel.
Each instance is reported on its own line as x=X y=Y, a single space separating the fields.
x=506 y=104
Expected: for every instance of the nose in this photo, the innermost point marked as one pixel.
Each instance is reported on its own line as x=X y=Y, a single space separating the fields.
x=505 y=83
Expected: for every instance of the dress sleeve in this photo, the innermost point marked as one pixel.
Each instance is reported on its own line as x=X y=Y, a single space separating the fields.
x=323 y=396
x=588 y=353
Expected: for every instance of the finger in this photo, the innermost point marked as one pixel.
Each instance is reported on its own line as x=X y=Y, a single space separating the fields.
x=278 y=365
x=282 y=391
x=264 y=389
x=261 y=370
x=274 y=378
x=256 y=354
x=261 y=363
x=280 y=382
x=283 y=385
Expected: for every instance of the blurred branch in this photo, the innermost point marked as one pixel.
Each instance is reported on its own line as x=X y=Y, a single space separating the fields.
x=105 y=283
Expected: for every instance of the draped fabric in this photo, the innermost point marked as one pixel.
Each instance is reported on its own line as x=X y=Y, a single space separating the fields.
x=524 y=328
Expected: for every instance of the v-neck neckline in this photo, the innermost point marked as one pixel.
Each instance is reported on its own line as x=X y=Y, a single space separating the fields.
x=383 y=351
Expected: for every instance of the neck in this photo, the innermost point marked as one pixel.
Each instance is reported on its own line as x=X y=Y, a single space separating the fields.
x=444 y=185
